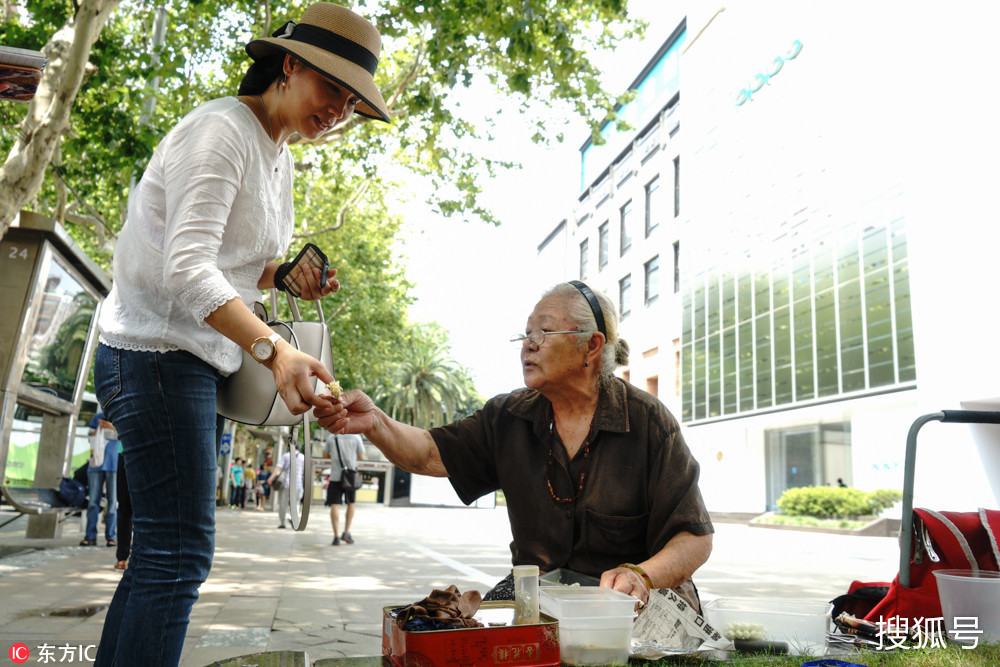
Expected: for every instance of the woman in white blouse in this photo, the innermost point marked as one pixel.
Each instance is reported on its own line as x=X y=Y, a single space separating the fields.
x=212 y=211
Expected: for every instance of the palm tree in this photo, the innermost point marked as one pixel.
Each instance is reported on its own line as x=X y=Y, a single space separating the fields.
x=428 y=388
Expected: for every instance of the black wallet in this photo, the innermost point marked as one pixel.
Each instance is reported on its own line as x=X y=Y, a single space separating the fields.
x=292 y=276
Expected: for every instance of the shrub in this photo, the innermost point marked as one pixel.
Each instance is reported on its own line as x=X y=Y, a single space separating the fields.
x=827 y=502
x=883 y=499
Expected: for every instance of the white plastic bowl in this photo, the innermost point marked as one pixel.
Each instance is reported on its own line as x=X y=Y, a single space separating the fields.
x=564 y=602
x=973 y=598
x=799 y=624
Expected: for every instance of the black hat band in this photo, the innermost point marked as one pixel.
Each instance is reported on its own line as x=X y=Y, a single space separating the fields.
x=595 y=305
x=329 y=41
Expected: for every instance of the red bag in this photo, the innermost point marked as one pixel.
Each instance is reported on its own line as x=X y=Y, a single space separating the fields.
x=941 y=540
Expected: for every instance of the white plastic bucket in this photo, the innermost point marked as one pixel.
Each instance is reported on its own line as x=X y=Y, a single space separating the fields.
x=973 y=598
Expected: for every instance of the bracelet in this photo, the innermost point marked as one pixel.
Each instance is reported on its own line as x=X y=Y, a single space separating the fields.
x=641 y=572
x=280 y=274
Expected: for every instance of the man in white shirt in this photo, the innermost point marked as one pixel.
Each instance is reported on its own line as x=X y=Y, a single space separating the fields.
x=343 y=451
x=280 y=470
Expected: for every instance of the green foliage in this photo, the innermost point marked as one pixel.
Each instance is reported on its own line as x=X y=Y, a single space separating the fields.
x=824 y=501
x=882 y=499
x=428 y=388
x=134 y=93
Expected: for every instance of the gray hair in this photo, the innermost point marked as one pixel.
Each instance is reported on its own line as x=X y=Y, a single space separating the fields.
x=616 y=350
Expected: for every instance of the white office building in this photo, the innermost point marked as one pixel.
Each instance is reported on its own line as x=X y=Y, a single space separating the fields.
x=798 y=236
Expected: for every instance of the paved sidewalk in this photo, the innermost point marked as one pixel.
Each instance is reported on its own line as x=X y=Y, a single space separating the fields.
x=269 y=589
x=278 y=590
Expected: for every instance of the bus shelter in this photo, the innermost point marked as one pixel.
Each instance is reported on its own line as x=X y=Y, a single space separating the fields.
x=50 y=290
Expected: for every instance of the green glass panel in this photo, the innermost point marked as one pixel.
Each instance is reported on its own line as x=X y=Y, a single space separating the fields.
x=826 y=344
x=904 y=323
x=783 y=385
x=746 y=366
x=700 y=387
x=852 y=352
x=847 y=261
x=805 y=384
x=687 y=382
x=762 y=293
x=763 y=360
x=729 y=405
x=801 y=278
x=687 y=317
x=699 y=311
x=881 y=350
x=876 y=248
x=782 y=290
x=713 y=304
x=823 y=266
x=715 y=374
x=745 y=292
x=728 y=300
x=782 y=357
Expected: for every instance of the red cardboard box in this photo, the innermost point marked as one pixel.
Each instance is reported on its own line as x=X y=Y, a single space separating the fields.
x=534 y=645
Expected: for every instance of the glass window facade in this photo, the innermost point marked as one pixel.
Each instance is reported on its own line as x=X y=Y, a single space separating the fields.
x=584 y=258
x=602 y=246
x=625 y=296
x=652 y=281
x=653 y=205
x=827 y=320
x=626 y=227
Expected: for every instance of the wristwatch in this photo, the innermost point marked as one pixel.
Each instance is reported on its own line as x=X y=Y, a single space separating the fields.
x=263 y=349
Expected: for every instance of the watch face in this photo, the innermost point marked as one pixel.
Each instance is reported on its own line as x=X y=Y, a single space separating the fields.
x=262 y=349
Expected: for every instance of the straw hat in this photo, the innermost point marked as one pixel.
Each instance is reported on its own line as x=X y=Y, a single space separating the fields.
x=338 y=43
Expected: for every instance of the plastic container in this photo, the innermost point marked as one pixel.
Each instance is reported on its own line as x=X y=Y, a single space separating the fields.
x=973 y=598
x=798 y=626
x=596 y=640
x=563 y=577
x=565 y=602
x=525 y=594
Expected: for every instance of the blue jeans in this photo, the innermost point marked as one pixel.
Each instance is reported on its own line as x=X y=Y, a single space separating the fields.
x=97 y=480
x=163 y=407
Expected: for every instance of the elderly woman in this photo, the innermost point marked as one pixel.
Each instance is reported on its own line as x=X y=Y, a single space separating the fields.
x=596 y=474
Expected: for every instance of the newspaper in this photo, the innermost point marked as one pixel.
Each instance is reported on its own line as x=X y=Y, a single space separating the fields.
x=669 y=627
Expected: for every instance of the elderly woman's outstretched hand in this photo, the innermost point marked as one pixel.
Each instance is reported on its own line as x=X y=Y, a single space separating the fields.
x=354 y=412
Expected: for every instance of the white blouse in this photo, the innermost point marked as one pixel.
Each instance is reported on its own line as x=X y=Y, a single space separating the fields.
x=213 y=207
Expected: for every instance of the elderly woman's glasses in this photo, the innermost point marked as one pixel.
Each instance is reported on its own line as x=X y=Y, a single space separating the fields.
x=536 y=337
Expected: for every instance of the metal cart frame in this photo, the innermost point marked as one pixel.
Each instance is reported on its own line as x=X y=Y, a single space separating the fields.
x=909 y=469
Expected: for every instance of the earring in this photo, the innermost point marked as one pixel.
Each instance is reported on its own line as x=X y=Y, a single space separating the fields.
x=585 y=364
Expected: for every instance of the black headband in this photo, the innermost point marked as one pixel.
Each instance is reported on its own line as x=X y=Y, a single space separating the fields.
x=336 y=44
x=595 y=305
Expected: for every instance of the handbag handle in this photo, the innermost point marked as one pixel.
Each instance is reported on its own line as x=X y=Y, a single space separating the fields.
x=293 y=306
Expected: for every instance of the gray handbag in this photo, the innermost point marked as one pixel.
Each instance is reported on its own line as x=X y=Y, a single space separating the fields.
x=249 y=395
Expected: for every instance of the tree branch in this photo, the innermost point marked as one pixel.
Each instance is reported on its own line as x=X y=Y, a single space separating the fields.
x=351 y=202
x=22 y=173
